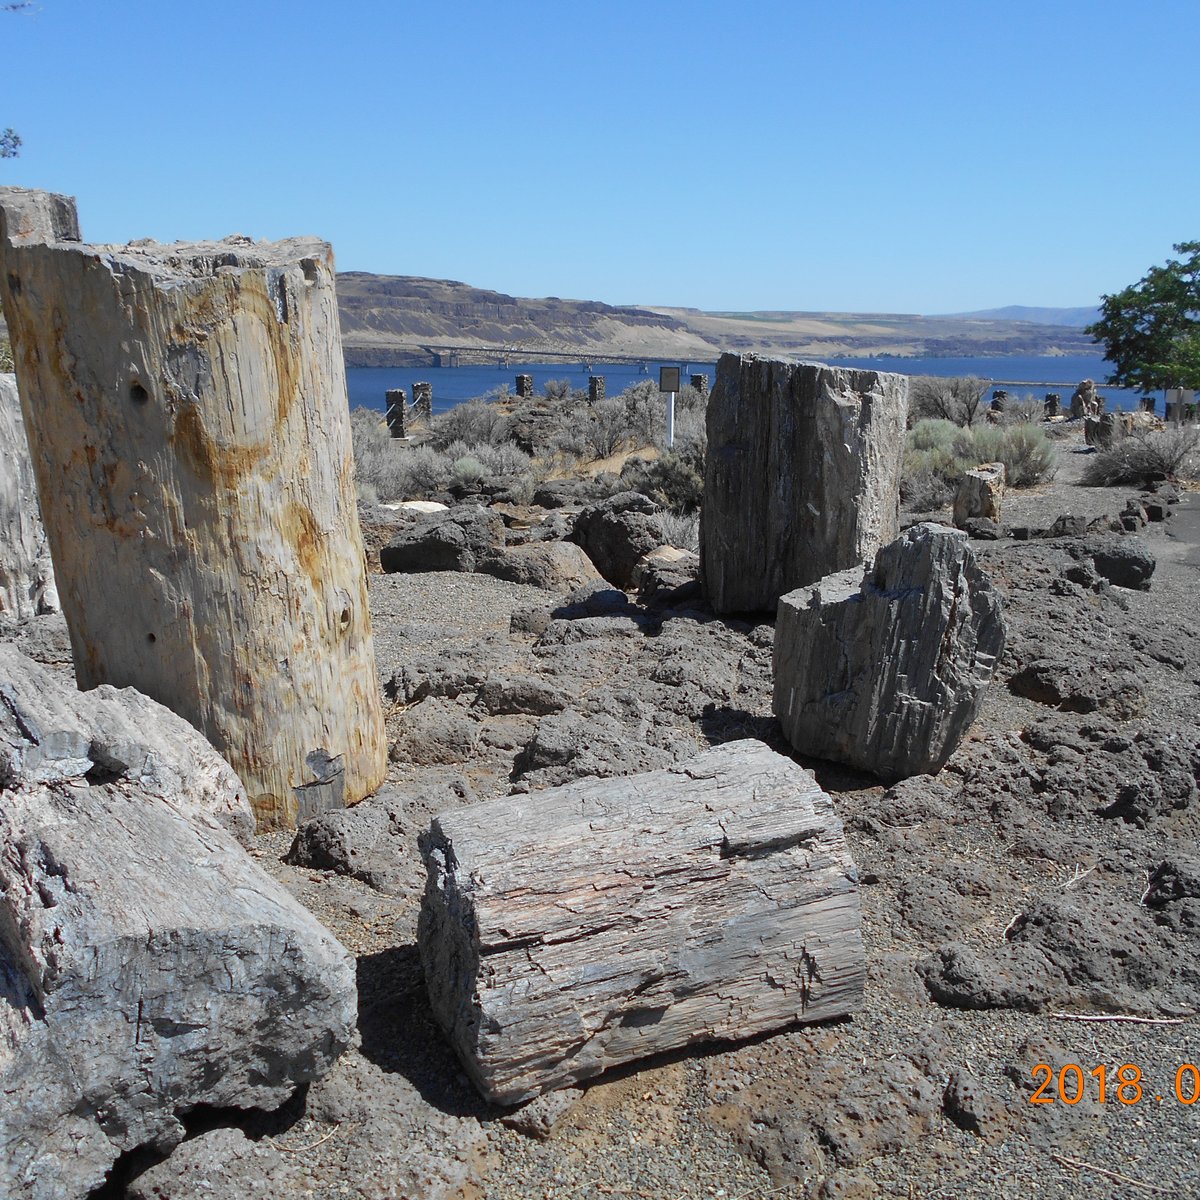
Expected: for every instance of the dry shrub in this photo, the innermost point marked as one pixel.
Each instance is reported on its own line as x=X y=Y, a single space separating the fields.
x=1142 y=457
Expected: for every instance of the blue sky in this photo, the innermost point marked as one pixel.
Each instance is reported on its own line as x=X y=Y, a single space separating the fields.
x=865 y=155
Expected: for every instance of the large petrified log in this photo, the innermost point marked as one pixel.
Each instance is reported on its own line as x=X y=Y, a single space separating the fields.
x=884 y=668
x=567 y=931
x=26 y=573
x=187 y=414
x=147 y=964
x=801 y=476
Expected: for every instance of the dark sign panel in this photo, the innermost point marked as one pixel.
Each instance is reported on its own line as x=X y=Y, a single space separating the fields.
x=668 y=379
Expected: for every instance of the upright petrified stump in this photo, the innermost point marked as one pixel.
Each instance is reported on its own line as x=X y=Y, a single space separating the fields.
x=26 y=572
x=801 y=477
x=981 y=493
x=884 y=668
x=570 y=930
x=186 y=409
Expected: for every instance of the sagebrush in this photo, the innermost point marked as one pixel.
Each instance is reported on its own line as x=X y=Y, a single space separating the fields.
x=939 y=453
x=1143 y=457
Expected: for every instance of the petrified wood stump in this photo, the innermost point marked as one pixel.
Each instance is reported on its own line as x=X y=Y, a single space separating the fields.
x=801 y=476
x=567 y=931
x=186 y=410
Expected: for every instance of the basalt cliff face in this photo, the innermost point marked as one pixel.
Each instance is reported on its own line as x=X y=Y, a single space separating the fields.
x=401 y=320
x=394 y=320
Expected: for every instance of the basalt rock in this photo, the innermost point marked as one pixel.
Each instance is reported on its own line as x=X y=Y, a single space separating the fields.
x=617 y=532
x=459 y=539
x=885 y=670
x=801 y=477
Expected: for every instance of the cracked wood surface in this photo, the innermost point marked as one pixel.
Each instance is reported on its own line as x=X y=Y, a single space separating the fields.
x=567 y=931
x=187 y=417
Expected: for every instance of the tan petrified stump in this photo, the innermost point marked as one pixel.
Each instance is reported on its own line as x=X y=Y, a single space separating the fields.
x=187 y=415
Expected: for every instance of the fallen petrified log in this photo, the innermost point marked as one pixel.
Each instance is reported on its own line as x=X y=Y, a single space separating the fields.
x=26 y=572
x=567 y=931
x=147 y=964
x=801 y=476
x=884 y=668
x=186 y=411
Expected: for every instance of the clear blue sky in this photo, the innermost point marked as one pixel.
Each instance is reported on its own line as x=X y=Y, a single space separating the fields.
x=858 y=155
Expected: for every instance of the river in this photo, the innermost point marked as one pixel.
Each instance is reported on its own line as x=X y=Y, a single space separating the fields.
x=1020 y=376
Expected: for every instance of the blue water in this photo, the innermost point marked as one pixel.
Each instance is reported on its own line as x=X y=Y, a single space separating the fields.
x=1020 y=376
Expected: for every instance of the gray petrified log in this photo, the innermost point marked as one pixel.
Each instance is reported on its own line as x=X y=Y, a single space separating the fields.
x=567 y=931
x=186 y=410
x=885 y=668
x=147 y=964
x=26 y=572
x=801 y=477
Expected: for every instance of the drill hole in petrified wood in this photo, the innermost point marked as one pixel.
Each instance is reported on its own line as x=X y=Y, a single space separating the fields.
x=568 y=931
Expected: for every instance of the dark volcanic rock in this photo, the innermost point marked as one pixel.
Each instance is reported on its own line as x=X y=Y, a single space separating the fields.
x=1124 y=561
x=455 y=540
x=617 y=532
x=1083 y=949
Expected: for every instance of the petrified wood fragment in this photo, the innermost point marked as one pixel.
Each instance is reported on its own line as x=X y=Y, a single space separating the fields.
x=801 y=476
x=148 y=966
x=980 y=494
x=186 y=410
x=567 y=931
x=26 y=573
x=885 y=668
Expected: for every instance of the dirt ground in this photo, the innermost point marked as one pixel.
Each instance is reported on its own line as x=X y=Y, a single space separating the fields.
x=1031 y=915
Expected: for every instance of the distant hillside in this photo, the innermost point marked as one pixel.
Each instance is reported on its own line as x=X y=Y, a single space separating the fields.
x=856 y=335
x=400 y=319
x=1073 y=318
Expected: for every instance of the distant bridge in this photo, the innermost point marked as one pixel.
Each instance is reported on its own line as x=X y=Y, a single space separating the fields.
x=505 y=356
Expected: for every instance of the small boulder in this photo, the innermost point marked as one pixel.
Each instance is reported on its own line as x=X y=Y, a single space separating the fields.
x=1124 y=561
x=553 y=566
x=616 y=533
x=667 y=576
x=458 y=539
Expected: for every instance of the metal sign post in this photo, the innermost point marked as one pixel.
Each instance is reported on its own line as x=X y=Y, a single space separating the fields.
x=668 y=381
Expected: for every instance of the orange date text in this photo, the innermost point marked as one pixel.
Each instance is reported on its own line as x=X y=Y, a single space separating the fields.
x=1125 y=1084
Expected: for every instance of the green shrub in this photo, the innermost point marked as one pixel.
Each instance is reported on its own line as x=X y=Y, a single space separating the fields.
x=6 y=355
x=938 y=454
x=1027 y=454
x=467 y=470
x=477 y=422
x=1143 y=457
x=682 y=530
x=932 y=434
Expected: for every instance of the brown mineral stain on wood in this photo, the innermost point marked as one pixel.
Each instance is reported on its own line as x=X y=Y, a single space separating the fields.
x=189 y=410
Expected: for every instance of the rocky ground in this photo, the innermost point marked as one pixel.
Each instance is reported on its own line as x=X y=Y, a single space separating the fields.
x=1038 y=902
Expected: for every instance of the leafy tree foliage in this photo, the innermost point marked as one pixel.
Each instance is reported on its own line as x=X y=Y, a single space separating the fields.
x=1151 y=329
